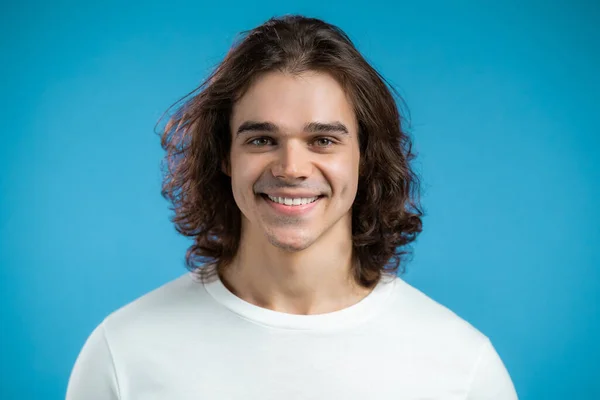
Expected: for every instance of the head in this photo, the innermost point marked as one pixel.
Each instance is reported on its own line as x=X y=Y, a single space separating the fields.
x=294 y=136
x=293 y=109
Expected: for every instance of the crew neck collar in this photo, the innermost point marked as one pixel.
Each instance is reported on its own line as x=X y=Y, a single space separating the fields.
x=350 y=316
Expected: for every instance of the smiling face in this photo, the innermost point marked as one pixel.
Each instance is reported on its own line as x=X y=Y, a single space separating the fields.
x=294 y=139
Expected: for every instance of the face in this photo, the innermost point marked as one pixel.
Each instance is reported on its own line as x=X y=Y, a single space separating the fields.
x=294 y=141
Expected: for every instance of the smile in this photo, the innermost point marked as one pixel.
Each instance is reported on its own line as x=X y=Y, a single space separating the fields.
x=292 y=206
x=293 y=201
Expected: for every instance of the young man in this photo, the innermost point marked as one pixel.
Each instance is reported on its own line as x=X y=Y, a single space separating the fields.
x=290 y=170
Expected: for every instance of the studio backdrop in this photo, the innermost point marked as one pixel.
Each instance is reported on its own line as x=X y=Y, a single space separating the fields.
x=503 y=100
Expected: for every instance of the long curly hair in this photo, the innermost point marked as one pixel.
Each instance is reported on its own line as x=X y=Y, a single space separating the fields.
x=386 y=214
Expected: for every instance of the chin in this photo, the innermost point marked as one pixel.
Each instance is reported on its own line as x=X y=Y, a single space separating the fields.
x=291 y=245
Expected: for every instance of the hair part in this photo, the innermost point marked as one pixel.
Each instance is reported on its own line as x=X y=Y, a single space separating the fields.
x=386 y=214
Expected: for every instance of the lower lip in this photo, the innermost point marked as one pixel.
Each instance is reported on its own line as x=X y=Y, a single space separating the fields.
x=291 y=210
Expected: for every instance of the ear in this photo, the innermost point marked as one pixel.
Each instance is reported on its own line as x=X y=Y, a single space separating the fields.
x=361 y=166
x=225 y=168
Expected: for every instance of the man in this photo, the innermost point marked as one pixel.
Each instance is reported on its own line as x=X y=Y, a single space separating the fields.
x=290 y=169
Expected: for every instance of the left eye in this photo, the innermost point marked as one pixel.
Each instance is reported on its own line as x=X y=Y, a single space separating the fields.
x=324 y=142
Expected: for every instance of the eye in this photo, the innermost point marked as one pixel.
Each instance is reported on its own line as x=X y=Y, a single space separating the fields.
x=259 y=142
x=324 y=142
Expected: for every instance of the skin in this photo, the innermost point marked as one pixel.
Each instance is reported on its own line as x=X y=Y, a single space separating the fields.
x=295 y=264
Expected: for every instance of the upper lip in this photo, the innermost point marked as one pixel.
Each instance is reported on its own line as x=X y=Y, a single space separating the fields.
x=293 y=195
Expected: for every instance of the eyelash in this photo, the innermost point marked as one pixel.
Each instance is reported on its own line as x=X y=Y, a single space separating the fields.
x=332 y=142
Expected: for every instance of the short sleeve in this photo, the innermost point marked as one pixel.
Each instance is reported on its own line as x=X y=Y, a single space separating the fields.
x=93 y=376
x=491 y=380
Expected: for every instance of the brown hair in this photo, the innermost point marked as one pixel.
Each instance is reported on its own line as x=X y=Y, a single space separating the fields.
x=386 y=215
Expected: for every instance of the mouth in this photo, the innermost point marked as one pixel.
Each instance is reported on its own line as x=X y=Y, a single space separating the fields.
x=290 y=202
x=297 y=207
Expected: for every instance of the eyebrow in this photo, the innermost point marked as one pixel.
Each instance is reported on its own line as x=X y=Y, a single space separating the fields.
x=312 y=127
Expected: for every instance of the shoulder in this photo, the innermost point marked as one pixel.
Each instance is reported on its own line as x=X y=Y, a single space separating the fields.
x=433 y=323
x=164 y=308
x=120 y=344
x=429 y=331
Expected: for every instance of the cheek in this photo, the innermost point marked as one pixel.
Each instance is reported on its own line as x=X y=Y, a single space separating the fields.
x=244 y=174
x=342 y=174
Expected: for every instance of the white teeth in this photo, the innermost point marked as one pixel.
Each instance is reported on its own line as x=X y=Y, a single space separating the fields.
x=293 y=202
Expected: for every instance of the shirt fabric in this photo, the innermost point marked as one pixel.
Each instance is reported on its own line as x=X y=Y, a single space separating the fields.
x=194 y=339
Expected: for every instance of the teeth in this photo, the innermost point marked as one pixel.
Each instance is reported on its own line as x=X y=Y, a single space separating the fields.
x=293 y=202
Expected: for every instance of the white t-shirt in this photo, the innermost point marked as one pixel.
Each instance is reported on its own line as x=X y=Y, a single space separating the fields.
x=197 y=340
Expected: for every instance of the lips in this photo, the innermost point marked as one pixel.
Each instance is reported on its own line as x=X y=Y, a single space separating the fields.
x=293 y=201
x=291 y=210
x=292 y=195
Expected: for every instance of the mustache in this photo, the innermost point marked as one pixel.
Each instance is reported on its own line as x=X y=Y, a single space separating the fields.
x=260 y=187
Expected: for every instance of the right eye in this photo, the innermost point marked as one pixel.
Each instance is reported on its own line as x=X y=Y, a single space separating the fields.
x=259 y=142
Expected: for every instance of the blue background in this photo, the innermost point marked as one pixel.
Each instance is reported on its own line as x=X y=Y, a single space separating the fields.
x=504 y=105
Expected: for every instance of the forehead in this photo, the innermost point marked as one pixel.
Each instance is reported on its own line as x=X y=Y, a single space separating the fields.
x=292 y=101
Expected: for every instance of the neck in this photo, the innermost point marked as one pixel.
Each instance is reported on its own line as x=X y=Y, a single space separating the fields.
x=315 y=280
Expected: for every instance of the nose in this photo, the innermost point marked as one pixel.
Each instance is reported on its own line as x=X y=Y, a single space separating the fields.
x=292 y=162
